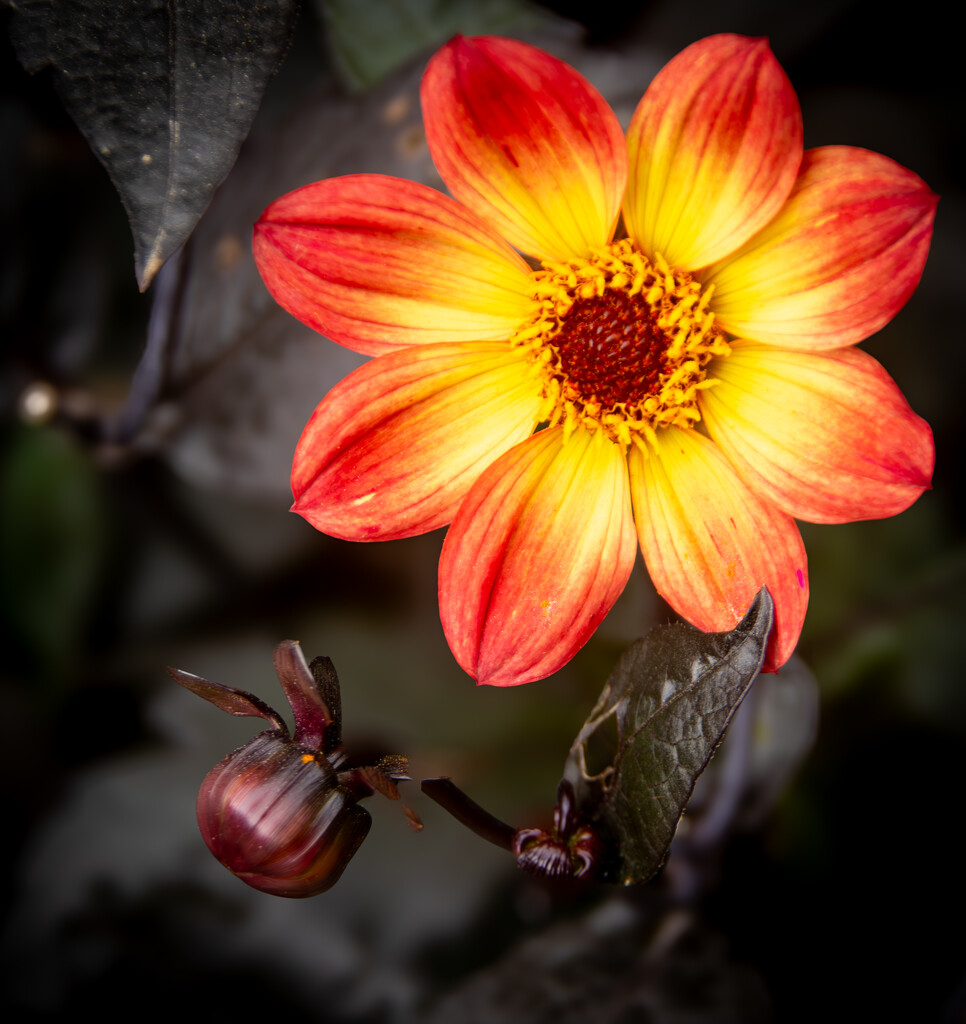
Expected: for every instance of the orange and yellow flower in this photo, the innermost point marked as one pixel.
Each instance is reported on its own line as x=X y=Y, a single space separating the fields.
x=682 y=379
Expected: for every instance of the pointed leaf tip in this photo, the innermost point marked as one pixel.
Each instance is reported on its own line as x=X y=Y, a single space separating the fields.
x=166 y=107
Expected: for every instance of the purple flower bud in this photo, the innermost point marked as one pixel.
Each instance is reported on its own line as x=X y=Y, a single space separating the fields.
x=275 y=814
x=282 y=812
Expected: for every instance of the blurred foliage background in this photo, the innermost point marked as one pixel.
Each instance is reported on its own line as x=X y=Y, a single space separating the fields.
x=146 y=441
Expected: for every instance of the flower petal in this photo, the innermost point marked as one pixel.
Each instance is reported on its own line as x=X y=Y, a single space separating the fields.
x=375 y=263
x=393 y=448
x=527 y=143
x=838 y=262
x=710 y=544
x=827 y=437
x=715 y=145
x=538 y=553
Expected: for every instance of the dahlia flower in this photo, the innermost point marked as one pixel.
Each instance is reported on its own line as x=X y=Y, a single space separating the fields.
x=672 y=366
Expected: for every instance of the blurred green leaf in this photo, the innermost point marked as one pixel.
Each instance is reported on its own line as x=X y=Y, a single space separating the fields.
x=51 y=545
x=370 y=40
x=669 y=700
x=164 y=91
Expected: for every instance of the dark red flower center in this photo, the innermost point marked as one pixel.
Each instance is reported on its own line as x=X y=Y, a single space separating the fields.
x=620 y=343
x=611 y=348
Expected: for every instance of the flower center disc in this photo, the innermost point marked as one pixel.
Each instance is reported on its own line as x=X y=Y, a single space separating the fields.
x=611 y=347
x=620 y=343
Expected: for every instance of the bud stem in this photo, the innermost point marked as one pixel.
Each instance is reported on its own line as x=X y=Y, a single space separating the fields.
x=449 y=796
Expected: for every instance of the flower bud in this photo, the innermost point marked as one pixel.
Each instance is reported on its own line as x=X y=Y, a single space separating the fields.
x=282 y=811
x=275 y=814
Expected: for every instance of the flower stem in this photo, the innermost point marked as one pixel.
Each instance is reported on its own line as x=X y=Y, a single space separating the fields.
x=449 y=796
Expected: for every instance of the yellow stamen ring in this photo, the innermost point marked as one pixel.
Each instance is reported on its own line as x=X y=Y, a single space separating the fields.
x=619 y=343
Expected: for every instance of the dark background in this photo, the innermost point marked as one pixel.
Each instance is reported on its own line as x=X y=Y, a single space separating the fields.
x=125 y=551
